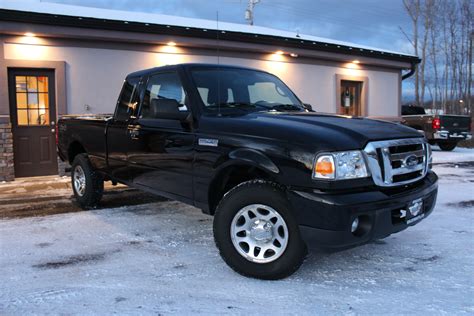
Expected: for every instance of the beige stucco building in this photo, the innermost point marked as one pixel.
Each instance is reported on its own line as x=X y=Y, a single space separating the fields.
x=59 y=59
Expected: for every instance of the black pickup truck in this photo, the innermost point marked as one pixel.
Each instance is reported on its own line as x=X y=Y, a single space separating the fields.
x=238 y=144
x=446 y=131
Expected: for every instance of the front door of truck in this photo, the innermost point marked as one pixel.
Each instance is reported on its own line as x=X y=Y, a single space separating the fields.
x=162 y=150
x=118 y=140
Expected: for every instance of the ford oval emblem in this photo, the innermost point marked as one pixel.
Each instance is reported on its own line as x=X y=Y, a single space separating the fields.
x=411 y=161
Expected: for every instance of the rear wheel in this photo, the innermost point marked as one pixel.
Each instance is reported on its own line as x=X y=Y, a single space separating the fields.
x=447 y=146
x=255 y=232
x=87 y=184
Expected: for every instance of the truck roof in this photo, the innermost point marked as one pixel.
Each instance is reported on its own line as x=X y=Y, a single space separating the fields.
x=143 y=72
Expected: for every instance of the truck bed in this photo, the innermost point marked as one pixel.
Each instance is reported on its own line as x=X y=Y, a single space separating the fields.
x=87 y=129
x=93 y=117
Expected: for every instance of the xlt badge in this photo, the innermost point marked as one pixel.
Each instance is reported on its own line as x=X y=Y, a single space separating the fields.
x=208 y=142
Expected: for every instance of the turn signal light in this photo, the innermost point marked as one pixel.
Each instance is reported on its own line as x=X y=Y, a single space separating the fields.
x=324 y=167
x=436 y=123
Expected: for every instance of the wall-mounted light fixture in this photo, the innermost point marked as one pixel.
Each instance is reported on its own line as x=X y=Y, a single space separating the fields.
x=279 y=52
x=294 y=55
x=29 y=34
x=356 y=61
x=171 y=43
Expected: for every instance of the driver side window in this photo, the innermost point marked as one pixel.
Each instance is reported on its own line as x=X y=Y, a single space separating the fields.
x=163 y=86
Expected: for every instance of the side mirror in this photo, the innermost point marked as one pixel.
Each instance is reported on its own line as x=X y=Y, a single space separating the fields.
x=167 y=109
x=308 y=107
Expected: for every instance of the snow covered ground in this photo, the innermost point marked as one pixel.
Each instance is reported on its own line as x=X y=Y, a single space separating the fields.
x=457 y=155
x=160 y=258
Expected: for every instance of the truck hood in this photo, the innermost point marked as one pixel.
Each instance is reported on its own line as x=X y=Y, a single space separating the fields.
x=325 y=131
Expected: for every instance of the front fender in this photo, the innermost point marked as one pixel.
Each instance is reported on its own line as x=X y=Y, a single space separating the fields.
x=255 y=158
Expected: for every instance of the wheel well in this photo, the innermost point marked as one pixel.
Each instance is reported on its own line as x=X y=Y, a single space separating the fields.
x=229 y=178
x=74 y=149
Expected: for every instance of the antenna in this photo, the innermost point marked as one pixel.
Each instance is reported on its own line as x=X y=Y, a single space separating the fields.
x=218 y=64
x=218 y=39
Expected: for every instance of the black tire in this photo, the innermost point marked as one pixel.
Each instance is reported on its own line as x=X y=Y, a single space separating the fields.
x=258 y=192
x=447 y=146
x=94 y=183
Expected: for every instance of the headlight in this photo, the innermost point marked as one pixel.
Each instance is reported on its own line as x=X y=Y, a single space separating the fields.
x=340 y=166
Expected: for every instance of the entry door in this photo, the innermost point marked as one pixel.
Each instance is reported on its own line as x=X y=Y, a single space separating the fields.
x=33 y=116
x=350 y=98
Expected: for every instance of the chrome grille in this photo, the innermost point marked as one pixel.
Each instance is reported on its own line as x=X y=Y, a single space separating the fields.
x=397 y=162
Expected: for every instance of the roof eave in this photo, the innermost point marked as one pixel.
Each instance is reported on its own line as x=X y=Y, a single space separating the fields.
x=115 y=25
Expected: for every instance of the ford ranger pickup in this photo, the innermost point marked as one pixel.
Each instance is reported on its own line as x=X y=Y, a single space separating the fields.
x=237 y=143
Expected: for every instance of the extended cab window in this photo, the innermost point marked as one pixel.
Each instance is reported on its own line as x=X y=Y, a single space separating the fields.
x=128 y=100
x=163 y=86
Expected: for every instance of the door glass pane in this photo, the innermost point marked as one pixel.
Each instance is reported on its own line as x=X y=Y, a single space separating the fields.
x=32 y=84
x=33 y=100
x=20 y=83
x=33 y=117
x=43 y=100
x=42 y=84
x=21 y=100
x=43 y=117
x=22 y=117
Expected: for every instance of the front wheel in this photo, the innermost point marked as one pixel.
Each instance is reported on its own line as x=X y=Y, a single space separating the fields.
x=256 y=233
x=447 y=146
x=87 y=184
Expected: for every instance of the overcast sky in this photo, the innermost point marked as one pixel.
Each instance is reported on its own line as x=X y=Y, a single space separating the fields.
x=366 y=22
x=373 y=23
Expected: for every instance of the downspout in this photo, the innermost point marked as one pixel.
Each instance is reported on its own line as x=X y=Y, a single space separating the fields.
x=411 y=72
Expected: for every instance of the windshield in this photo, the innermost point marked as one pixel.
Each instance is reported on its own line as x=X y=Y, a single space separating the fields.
x=243 y=90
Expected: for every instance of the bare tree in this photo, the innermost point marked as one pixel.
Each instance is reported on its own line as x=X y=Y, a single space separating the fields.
x=442 y=36
x=414 y=11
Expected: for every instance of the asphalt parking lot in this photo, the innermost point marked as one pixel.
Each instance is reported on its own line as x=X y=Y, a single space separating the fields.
x=158 y=257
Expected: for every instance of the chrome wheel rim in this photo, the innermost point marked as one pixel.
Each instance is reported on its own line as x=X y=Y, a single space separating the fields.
x=259 y=233
x=79 y=180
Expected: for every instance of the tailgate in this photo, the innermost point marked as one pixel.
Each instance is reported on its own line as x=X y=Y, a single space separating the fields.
x=455 y=123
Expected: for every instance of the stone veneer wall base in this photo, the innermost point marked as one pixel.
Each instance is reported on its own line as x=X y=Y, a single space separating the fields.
x=7 y=168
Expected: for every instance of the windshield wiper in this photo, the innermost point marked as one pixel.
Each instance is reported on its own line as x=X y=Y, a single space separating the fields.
x=233 y=105
x=238 y=104
x=285 y=107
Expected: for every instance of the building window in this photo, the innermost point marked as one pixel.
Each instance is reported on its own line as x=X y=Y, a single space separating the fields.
x=32 y=100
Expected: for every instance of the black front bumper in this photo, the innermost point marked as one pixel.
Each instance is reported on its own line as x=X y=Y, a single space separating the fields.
x=325 y=219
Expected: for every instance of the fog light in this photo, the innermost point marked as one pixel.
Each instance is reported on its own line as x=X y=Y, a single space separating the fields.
x=355 y=225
